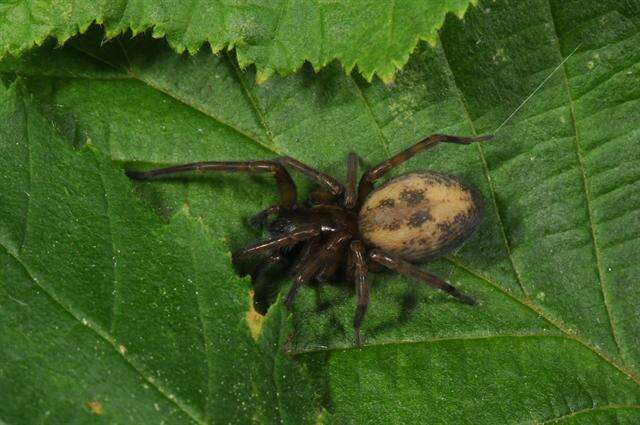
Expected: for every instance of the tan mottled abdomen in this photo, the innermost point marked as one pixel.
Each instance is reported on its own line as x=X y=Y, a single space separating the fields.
x=419 y=216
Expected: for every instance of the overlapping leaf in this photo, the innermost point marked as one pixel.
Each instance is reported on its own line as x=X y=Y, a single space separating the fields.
x=554 y=336
x=278 y=36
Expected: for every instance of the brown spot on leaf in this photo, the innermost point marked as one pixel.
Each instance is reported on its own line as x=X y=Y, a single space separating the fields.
x=254 y=319
x=95 y=407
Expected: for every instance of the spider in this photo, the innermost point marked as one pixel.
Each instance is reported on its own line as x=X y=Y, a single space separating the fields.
x=344 y=230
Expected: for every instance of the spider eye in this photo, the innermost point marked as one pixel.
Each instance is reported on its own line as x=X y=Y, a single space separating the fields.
x=280 y=225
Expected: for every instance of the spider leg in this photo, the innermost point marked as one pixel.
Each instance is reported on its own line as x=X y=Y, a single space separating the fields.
x=331 y=265
x=373 y=174
x=302 y=233
x=335 y=187
x=286 y=185
x=265 y=287
x=350 y=194
x=309 y=249
x=409 y=270
x=315 y=261
x=362 y=287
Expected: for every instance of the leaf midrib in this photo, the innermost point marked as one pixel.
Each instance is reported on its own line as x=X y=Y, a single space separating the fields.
x=206 y=341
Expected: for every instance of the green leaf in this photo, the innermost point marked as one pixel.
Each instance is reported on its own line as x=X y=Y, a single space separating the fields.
x=123 y=294
x=277 y=36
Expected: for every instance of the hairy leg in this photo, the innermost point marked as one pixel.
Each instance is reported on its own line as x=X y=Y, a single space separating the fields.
x=334 y=186
x=331 y=264
x=321 y=196
x=408 y=269
x=362 y=287
x=309 y=249
x=274 y=260
x=301 y=234
x=265 y=282
x=373 y=174
x=351 y=194
x=286 y=186
x=315 y=261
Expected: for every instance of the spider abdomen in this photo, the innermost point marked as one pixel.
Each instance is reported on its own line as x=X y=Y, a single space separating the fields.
x=421 y=215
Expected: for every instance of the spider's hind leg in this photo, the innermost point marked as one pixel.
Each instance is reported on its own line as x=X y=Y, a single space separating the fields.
x=407 y=269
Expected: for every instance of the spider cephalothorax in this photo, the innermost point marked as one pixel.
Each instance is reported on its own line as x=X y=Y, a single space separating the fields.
x=343 y=229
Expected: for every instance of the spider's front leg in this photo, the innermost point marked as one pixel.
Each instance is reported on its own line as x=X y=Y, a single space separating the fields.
x=366 y=182
x=286 y=186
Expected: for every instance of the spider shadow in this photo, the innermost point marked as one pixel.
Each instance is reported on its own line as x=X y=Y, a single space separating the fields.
x=335 y=329
x=408 y=302
x=201 y=192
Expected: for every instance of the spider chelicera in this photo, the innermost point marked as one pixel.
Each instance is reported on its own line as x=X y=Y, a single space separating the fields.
x=345 y=230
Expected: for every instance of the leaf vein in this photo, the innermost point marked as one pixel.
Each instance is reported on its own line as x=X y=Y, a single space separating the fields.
x=30 y=174
x=588 y=410
x=460 y=337
x=598 y=255
x=205 y=338
x=367 y=105
x=256 y=108
x=114 y=261
x=559 y=324
x=187 y=102
x=487 y=174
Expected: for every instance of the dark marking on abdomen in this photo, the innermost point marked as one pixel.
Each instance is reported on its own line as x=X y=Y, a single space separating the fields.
x=418 y=218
